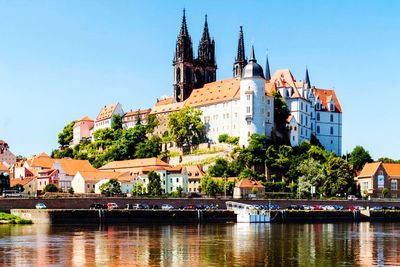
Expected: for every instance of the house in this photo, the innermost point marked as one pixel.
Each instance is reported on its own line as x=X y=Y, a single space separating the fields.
x=39 y=162
x=172 y=178
x=67 y=168
x=126 y=182
x=4 y=177
x=106 y=115
x=87 y=181
x=376 y=176
x=195 y=173
x=82 y=130
x=45 y=177
x=29 y=184
x=245 y=187
x=132 y=118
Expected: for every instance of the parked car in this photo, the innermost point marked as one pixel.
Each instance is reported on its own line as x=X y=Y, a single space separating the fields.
x=377 y=208
x=317 y=207
x=97 y=206
x=167 y=207
x=308 y=207
x=40 y=206
x=112 y=205
x=351 y=197
x=352 y=208
x=12 y=193
x=295 y=207
x=145 y=206
x=338 y=207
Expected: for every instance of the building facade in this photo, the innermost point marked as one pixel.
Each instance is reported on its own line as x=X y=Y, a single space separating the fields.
x=6 y=156
x=105 y=117
x=82 y=130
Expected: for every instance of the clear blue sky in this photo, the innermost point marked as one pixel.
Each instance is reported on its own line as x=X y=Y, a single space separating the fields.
x=61 y=60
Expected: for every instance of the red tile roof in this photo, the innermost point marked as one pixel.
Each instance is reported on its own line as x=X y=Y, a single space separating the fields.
x=134 y=163
x=246 y=183
x=369 y=169
x=325 y=95
x=392 y=169
x=106 y=112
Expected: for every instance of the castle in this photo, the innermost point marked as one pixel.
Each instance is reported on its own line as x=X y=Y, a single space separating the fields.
x=240 y=105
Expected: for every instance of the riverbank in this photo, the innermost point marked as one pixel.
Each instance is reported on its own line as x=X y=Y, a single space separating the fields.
x=86 y=216
x=7 y=218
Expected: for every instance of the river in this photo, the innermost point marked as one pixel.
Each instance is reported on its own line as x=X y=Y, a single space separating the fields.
x=338 y=244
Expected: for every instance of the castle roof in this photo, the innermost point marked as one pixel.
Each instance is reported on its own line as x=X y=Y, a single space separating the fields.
x=215 y=92
x=325 y=96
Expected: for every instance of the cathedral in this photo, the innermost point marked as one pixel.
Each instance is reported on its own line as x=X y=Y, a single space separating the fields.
x=244 y=104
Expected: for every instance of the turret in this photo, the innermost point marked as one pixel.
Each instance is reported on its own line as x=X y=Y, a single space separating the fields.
x=240 y=60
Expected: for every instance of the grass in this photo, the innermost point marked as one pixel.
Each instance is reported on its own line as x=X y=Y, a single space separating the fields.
x=12 y=219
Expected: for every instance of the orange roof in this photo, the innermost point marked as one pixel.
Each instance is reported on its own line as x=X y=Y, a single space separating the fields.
x=42 y=160
x=164 y=101
x=72 y=166
x=246 y=183
x=215 y=92
x=138 y=112
x=84 y=119
x=325 y=96
x=392 y=169
x=134 y=163
x=195 y=172
x=95 y=176
x=3 y=168
x=23 y=182
x=369 y=169
x=170 y=107
x=283 y=78
x=162 y=168
x=106 y=112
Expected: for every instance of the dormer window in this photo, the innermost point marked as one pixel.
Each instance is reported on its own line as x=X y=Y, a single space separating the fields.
x=332 y=105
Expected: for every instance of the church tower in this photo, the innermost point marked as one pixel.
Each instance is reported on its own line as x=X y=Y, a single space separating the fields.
x=240 y=60
x=183 y=64
x=205 y=64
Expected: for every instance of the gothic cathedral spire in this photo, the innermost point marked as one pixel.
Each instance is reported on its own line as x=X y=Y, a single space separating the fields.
x=183 y=64
x=307 y=79
x=205 y=70
x=240 y=60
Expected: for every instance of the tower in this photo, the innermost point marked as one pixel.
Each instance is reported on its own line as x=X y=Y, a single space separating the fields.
x=252 y=102
x=205 y=71
x=183 y=64
x=240 y=60
x=267 y=70
x=307 y=79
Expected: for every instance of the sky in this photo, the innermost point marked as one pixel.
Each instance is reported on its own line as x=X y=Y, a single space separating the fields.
x=62 y=60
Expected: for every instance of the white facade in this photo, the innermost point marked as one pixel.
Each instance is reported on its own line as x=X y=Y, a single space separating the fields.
x=104 y=119
x=221 y=118
x=170 y=181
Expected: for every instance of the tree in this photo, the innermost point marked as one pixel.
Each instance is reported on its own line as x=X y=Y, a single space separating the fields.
x=340 y=177
x=281 y=113
x=71 y=190
x=67 y=134
x=18 y=187
x=152 y=123
x=388 y=160
x=358 y=157
x=154 y=185
x=149 y=148
x=50 y=188
x=116 y=122
x=210 y=186
x=185 y=127
x=219 y=169
x=137 y=189
x=312 y=174
x=385 y=191
x=111 y=188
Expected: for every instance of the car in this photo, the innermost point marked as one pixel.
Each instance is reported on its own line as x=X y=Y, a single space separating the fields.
x=112 y=205
x=377 y=208
x=295 y=207
x=97 y=206
x=166 y=207
x=308 y=207
x=351 y=197
x=40 y=206
x=317 y=207
x=338 y=207
x=129 y=206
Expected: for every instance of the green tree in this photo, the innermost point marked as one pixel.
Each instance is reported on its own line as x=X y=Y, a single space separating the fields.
x=154 y=185
x=388 y=160
x=71 y=190
x=67 y=134
x=312 y=174
x=111 y=188
x=358 y=157
x=152 y=123
x=116 y=122
x=210 y=186
x=50 y=188
x=18 y=187
x=222 y=138
x=185 y=127
x=149 y=148
x=385 y=191
x=219 y=169
x=340 y=177
x=138 y=189
x=281 y=112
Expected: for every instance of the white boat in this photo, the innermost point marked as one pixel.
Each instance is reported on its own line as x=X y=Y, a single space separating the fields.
x=248 y=213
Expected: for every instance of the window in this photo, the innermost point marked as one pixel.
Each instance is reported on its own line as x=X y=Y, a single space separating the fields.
x=268 y=102
x=332 y=107
x=306 y=121
x=364 y=185
x=268 y=114
x=177 y=180
x=318 y=116
x=393 y=185
x=318 y=129
x=301 y=119
x=301 y=130
x=306 y=108
x=88 y=185
x=248 y=97
x=248 y=109
x=331 y=130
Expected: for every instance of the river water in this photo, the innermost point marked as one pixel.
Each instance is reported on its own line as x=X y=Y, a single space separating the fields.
x=338 y=244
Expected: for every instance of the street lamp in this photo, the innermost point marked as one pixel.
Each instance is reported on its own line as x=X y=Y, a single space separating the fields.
x=225 y=185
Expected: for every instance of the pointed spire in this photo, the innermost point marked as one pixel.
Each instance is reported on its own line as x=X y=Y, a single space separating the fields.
x=206 y=34
x=252 y=56
x=307 y=79
x=184 y=31
x=240 y=52
x=267 y=70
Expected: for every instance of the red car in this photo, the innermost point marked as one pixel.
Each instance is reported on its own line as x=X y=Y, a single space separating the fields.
x=317 y=207
x=112 y=206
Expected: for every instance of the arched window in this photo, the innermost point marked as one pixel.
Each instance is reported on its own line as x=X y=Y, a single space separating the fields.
x=178 y=75
x=318 y=117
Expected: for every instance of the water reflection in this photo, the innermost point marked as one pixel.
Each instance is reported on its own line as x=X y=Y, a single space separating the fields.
x=363 y=244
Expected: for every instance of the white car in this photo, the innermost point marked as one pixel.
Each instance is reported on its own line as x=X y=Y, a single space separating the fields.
x=167 y=207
